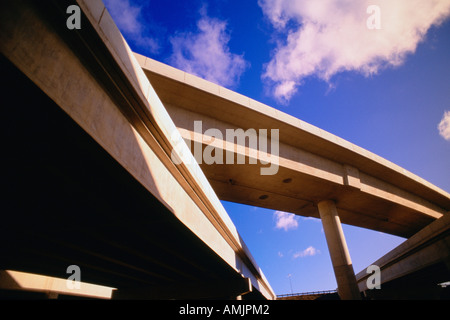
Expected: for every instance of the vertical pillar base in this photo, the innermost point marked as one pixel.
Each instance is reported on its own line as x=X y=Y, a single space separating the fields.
x=337 y=246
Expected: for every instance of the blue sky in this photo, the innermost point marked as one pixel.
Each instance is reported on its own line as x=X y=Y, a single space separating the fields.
x=385 y=89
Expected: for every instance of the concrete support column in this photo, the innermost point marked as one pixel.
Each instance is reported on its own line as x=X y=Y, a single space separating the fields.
x=340 y=257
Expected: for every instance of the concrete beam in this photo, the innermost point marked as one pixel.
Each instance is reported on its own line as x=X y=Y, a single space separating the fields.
x=363 y=200
x=430 y=246
x=22 y=281
x=351 y=177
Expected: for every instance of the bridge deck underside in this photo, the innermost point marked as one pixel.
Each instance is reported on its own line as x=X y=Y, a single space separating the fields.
x=66 y=202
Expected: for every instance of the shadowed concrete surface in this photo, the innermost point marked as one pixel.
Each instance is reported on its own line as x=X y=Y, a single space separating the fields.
x=69 y=202
x=416 y=268
x=90 y=180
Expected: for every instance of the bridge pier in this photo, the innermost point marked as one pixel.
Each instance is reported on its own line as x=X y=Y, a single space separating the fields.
x=337 y=246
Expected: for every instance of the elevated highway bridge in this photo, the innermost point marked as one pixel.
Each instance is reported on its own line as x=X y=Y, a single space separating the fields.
x=314 y=173
x=313 y=165
x=97 y=176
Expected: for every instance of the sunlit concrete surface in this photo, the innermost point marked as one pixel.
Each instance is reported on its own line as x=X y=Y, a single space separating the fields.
x=314 y=165
x=52 y=287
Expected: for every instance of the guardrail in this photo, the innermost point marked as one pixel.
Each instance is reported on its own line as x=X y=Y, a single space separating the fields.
x=306 y=293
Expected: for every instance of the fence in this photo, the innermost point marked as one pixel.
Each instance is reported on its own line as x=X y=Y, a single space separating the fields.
x=306 y=293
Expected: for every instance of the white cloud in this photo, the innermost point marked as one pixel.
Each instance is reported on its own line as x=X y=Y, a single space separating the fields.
x=323 y=38
x=129 y=21
x=444 y=126
x=310 y=251
x=285 y=220
x=312 y=219
x=206 y=53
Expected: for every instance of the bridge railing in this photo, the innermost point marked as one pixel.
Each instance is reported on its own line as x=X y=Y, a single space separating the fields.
x=306 y=293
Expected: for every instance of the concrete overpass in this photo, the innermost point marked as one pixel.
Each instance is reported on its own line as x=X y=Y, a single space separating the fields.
x=88 y=169
x=370 y=192
x=318 y=174
x=93 y=181
x=416 y=268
